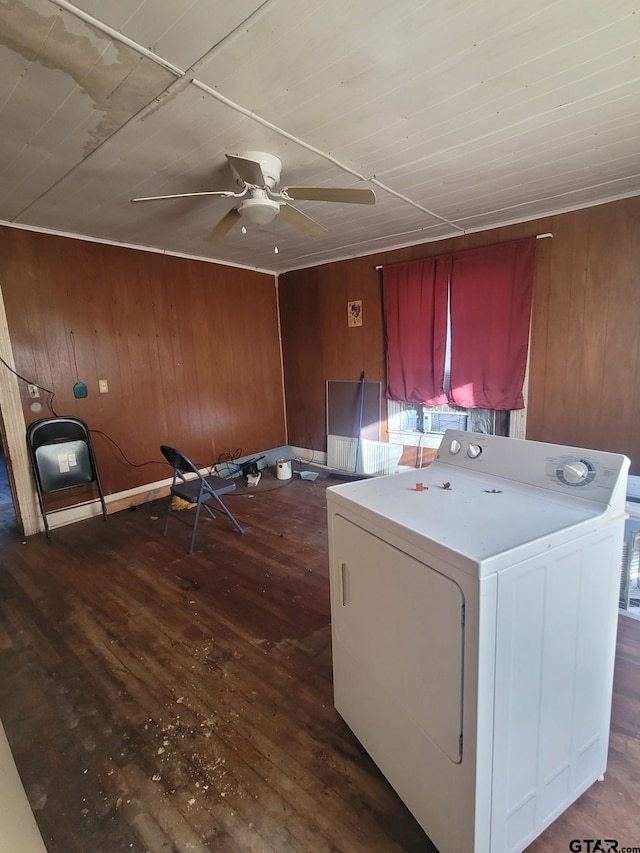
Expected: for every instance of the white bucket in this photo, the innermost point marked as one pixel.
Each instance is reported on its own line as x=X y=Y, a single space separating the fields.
x=283 y=469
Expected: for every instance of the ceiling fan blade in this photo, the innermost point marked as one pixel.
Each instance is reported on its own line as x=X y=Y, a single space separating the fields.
x=250 y=171
x=346 y=195
x=226 y=224
x=226 y=194
x=300 y=220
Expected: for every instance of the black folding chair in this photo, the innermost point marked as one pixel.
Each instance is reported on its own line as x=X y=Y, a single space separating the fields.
x=197 y=490
x=62 y=457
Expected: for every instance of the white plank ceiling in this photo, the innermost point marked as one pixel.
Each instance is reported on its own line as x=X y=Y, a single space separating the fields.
x=461 y=114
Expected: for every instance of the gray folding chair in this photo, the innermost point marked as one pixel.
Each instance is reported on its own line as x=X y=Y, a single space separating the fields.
x=196 y=490
x=62 y=457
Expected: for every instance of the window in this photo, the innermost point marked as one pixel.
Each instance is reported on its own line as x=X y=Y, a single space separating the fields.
x=484 y=296
x=424 y=426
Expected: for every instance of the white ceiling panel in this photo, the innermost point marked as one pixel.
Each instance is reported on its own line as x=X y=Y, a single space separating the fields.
x=114 y=13
x=461 y=115
x=201 y=27
x=181 y=31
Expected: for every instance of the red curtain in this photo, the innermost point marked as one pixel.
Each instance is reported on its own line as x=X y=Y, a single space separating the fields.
x=415 y=312
x=490 y=307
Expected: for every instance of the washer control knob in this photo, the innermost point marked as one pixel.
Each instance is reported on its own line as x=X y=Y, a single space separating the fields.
x=473 y=451
x=575 y=472
x=455 y=446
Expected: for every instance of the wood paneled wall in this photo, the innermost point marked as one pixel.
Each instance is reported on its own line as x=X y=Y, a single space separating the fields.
x=318 y=343
x=584 y=386
x=585 y=379
x=190 y=350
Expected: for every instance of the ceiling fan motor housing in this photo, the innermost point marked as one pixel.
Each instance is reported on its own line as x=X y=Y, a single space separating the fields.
x=270 y=164
x=259 y=211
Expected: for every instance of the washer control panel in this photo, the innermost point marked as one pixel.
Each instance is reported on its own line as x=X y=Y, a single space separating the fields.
x=591 y=474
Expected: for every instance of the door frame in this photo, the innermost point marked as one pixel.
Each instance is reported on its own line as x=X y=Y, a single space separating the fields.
x=14 y=432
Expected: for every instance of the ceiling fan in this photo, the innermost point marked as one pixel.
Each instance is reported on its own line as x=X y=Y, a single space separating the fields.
x=258 y=173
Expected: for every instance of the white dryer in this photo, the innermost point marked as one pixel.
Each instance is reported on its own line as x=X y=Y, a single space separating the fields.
x=474 y=613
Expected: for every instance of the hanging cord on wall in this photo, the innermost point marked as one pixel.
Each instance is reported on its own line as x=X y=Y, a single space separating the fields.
x=51 y=394
x=230 y=457
x=80 y=390
x=121 y=452
x=73 y=350
x=151 y=461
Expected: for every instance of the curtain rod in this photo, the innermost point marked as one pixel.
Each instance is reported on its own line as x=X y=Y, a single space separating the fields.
x=538 y=237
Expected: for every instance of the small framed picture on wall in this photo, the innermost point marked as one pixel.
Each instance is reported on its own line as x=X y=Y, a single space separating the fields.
x=354 y=313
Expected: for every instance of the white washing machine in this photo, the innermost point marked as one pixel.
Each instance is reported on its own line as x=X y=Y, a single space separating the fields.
x=474 y=626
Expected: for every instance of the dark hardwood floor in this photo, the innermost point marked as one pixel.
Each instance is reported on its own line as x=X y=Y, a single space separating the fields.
x=160 y=702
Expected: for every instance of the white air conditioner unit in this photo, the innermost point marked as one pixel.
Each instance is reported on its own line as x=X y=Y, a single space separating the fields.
x=440 y=422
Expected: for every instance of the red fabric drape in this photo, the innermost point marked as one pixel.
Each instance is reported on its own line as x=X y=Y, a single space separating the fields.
x=415 y=312
x=490 y=314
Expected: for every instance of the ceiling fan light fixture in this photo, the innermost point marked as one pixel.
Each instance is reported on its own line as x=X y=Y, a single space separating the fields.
x=259 y=211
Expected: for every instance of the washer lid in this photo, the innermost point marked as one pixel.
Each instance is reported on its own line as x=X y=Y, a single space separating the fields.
x=471 y=520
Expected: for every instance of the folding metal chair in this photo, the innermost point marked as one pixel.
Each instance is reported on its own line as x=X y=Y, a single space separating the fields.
x=62 y=457
x=196 y=490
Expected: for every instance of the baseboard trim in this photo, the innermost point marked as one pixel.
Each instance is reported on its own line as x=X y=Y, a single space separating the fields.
x=305 y=454
x=131 y=498
x=115 y=503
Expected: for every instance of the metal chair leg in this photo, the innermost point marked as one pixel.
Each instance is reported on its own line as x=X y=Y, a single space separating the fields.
x=229 y=516
x=166 y=516
x=195 y=527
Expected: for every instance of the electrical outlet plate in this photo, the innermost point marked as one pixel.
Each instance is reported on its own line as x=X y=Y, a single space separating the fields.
x=103 y=386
